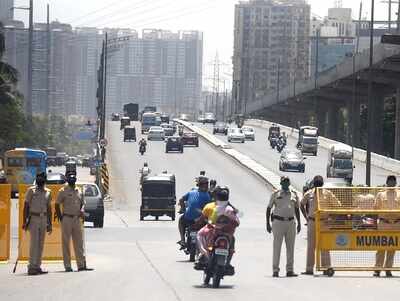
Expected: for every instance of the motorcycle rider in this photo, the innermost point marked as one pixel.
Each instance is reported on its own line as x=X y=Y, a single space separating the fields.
x=143 y=143
x=212 y=189
x=144 y=171
x=193 y=203
x=212 y=213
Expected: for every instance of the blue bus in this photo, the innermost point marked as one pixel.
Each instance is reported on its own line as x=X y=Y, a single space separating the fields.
x=21 y=166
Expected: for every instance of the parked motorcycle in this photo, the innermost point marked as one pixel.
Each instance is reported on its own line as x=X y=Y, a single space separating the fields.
x=217 y=266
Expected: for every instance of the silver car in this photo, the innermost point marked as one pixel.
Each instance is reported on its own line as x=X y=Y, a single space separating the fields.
x=249 y=133
x=156 y=133
x=94 y=204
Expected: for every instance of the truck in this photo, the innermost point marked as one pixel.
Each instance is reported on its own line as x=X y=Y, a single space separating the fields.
x=340 y=161
x=51 y=156
x=131 y=110
x=308 y=140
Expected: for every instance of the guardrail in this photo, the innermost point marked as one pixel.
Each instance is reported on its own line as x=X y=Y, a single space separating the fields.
x=359 y=154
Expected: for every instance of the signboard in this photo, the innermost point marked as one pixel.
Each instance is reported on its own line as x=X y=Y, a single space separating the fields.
x=360 y=240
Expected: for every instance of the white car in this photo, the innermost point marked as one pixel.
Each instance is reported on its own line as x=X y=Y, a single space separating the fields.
x=249 y=132
x=236 y=135
x=156 y=133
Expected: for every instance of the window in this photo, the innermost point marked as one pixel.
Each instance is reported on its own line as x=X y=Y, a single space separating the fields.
x=158 y=190
x=90 y=191
x=33 y=162
x=15 y=162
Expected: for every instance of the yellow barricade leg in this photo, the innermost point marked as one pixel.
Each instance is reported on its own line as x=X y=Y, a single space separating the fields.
x=5 y=212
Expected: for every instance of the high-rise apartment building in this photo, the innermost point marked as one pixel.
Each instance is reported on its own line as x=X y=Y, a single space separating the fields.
x=158 y=68
x=271 y=47
x=6 y=10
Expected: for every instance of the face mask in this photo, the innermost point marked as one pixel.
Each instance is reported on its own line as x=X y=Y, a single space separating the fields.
x=285 y=186
x=222 y=203
x=71 y=182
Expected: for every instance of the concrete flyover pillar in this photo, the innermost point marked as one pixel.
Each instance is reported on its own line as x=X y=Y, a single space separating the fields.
x=333 y=122
x=378 y=115
x=321 y=118
x=397 y=127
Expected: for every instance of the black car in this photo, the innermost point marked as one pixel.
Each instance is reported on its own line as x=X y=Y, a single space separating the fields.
x=174 y=143
x=292 y=160
x=190 y=138
x=158 y=196
x=220 y=128
x=129 y=134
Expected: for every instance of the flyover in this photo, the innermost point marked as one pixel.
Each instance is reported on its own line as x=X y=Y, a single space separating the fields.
x=318 y=101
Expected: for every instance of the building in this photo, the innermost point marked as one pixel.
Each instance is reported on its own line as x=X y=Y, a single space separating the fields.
x=6 y=10
x=335 y=38
x=271 y=47
x=159 y=68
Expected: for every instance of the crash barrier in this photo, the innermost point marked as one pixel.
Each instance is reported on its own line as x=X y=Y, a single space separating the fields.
x=52 y=250
x=5 y=212
x=355 y=227
x=359 y=154
x=104 y=179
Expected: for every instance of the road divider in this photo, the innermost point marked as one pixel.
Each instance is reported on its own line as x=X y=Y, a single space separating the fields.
x=359 y=154
x=105 y=179
x=270 y=178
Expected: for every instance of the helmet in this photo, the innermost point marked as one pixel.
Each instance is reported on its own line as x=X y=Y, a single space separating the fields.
x=202 y=180
x=222 y=194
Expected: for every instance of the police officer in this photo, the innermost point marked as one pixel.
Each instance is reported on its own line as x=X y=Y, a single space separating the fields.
x=387 y=200
x=285 y=204
x=308 y=208
x=70 y=198
x=37 y=219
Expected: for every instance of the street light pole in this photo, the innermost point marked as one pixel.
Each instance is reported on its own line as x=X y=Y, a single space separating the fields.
x=370 y=100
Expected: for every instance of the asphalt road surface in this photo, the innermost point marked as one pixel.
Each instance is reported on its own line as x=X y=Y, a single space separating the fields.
x=140 y=260
x=261 y=151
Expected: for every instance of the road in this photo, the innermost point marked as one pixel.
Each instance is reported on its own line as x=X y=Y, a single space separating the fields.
x=261 y=152
x=140 y=260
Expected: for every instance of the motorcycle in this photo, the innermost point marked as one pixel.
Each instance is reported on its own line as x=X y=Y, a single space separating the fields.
x=142 y=149
x=191 y=243
x=280 y=146
x=273 y=142
x=217 y=266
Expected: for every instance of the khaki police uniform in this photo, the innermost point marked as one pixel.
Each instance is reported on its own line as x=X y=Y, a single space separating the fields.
x=310 y=200
x=38 y=201
x=71 y=200
x=283 y=226
x=387 y=200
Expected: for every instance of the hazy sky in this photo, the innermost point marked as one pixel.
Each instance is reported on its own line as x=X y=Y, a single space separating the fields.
x=213 y=17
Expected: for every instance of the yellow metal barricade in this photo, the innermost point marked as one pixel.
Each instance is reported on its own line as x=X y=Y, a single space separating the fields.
x=357 y=229
x=52 y=250
x=105 y=184
x=5 y=211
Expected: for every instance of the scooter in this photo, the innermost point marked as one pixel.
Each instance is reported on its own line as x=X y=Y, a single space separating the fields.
x=217 y=266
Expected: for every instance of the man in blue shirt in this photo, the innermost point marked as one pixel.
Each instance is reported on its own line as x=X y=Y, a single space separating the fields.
x=193 y=202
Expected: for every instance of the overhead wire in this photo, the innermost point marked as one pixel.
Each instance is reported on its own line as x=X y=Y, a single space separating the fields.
x=155 y=20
